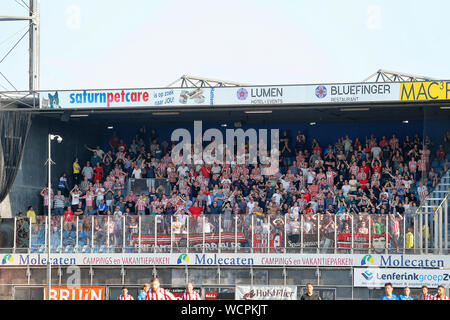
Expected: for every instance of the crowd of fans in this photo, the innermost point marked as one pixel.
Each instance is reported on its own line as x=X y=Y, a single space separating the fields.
x=379 y=177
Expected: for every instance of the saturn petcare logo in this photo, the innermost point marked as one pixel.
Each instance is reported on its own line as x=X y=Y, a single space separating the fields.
x=183 y=257
x=7 y=259
x=242 y=94
x=321 y=92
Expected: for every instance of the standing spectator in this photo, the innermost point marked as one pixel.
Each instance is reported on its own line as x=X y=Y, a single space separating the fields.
x=79 y=211
x=31 y=214
x=125 y=295
x=44 y=194
x=98 y=172
x=409 y=240
x=89 y=196
x=99 y=152
x=68 y=219
x=310 y=295
x=76 y=169
x=405 y=296
x=422 y=190
x=59 y=203
x=62 y=185
x=388 y=292
x=88 y=171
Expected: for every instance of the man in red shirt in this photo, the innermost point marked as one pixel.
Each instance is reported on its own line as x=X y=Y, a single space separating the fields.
x=383 y=142
x=440 y=153
x=195 y=210
x=68 y=219
x=206 y=171
x=366 y=169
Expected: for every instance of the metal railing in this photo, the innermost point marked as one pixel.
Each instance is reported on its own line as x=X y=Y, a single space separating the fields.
x=308 y=233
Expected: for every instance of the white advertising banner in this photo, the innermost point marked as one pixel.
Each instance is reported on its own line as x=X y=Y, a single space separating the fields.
x=124 y=98
x=231 y=259
x=400 y=277
x=307 y=94
x=221 y=96
x=266 y=293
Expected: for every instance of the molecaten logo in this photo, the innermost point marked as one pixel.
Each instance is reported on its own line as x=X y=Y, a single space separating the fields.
x=218 y=152
x=7 y=258
x=183 y=257
x=367 y=259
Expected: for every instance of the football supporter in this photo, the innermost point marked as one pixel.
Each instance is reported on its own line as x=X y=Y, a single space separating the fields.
x=346 y=177
x=158 y=293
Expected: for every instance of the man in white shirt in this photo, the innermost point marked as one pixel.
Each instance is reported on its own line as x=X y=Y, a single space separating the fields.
x=182 y=170
x=310 y=175
x=136 y=172
x=375 y=151
x=277 y=197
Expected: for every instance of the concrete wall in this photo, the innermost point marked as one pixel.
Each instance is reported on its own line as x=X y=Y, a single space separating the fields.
x=32 y=174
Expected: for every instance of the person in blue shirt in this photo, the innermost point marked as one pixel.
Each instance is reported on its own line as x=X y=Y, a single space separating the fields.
x=143 y=293
x=406 y=296
x=388 y=290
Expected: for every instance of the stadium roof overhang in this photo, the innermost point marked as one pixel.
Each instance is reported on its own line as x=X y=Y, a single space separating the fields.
x=279 y=103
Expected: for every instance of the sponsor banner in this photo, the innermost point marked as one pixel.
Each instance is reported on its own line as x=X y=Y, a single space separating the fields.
x=260 y=241
x=75 y=293
x=124 y=98
x=178 y=292
x=361 y=241
x=224 y=96
x=414 y=278
x=231 y=259
x=426 y=90
x=306 y=94
x=266 y=293
x=228 y=241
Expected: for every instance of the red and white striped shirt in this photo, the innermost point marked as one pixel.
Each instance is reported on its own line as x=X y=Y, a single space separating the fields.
x=412 y=166
x=422 y=164
x=396 y=226
x=330 y=177
x=162 y=294
x=89 y=199
x=127 y=297
x=436 y=297
x=141 y=205
x=191 y=296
